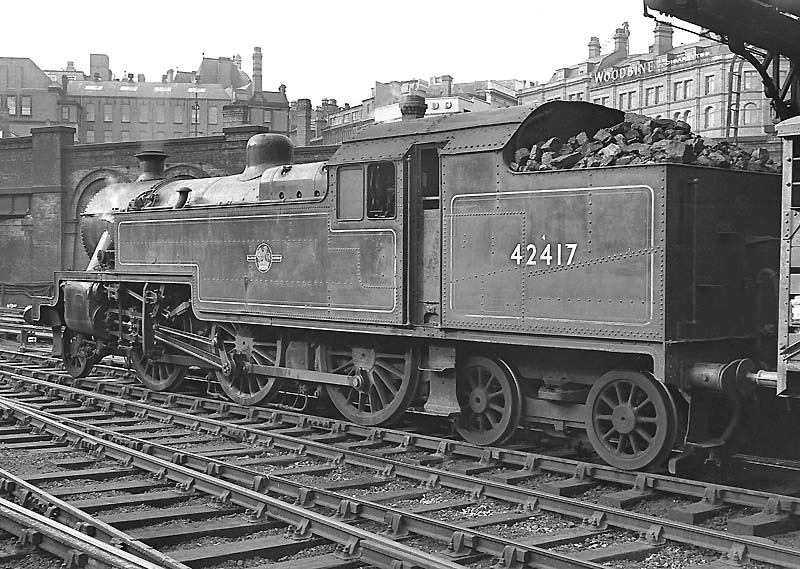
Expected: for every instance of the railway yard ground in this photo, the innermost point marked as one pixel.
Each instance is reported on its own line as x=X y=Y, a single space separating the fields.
x=101 y=472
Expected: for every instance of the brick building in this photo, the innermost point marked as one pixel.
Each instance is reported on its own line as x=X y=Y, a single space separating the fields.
x=28 y=98
x=702 y=83
x=46 y=180
x=101 y=109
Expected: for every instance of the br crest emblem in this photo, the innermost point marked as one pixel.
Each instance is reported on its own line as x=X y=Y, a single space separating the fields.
x=264 y=258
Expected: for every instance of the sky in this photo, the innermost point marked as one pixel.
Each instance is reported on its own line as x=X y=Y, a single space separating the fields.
x=326 y=49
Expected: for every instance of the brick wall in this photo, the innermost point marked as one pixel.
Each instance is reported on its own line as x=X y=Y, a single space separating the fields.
x=60 y=178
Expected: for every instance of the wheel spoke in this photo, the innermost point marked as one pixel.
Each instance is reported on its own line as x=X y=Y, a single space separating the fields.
x=644 y=435
x=605 y=399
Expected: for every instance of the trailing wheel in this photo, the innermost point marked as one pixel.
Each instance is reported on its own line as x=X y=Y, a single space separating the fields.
x=490 y=399
x=386 y=377
x=158 y=376
x=76 y=354
x=632 y=420
x=242 y=346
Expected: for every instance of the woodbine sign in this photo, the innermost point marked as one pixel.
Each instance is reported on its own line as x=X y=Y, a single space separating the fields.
x=617 y=73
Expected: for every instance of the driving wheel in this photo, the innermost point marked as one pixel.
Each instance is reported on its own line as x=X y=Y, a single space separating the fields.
x=490 y=400
x=386 y=381
x=632 y=419
x=158 y=376
x=242 y=345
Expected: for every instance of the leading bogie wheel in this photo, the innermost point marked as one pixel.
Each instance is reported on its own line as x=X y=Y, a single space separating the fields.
x=76 y=354
x=631 y=419
x=158 y=376
x=490 y=399
x=386 y=380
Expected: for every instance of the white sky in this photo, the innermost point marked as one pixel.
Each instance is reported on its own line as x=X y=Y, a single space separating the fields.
x=333 y=49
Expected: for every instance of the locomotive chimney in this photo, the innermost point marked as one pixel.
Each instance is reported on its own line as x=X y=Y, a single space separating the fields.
x=151 y=165
x=257 y=70
x=412 y=107
x=594 y=46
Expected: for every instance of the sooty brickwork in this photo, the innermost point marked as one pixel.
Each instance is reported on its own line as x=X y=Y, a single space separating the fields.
x=46 y=181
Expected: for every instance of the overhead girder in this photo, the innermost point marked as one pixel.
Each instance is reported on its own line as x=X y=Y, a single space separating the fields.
x=760 y=31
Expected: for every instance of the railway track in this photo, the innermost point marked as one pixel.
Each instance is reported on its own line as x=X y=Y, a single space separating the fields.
x=499 y=503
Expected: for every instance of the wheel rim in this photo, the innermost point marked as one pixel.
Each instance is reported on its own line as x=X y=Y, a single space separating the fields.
x=158 y=376
x=633 y=420
x=243 y=346
x=387 y=381
x=490 y=400
x=76 y=362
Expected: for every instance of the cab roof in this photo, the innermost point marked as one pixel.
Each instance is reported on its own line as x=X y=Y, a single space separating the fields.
x=482 y=131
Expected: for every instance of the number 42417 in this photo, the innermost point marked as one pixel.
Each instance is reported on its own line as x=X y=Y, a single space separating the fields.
x=550 y=254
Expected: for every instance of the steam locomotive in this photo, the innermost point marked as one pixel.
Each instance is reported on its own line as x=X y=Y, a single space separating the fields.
x=417 y=269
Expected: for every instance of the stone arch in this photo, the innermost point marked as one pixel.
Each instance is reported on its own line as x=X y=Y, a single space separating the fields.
x=84 y=191
x=184 y=172
x=90 y=184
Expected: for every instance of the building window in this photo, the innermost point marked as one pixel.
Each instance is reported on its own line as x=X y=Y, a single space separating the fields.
x=750 y=81
x=750 y=114
x=126 y=112
x=177 y=114
x=676 y=116
x=195 y=113
x=65 y=113
x=89 y=137
x=601 y=101
x=90 y=112
x=575 y=97
x=653 y=95
x=25 y=106
x=213 y=117
x=687 y=117
x=160 y=135
x=708 y=117
x=108 y=112
x=709 y=85
x=161 y=114
x=144 y=113
x=126 y=135
x=627 y=100
x=682 y=90
x=649 y=96
x=107 y=136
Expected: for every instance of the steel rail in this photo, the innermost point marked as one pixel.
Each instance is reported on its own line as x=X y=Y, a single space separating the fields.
x=400 y=521
x=70 y=516
x=75 y=548
x=364 y=545
x=600 y=515
x=526 y=461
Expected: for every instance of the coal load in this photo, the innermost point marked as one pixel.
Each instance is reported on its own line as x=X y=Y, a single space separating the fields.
x=635 y=141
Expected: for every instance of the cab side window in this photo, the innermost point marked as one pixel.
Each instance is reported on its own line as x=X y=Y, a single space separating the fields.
x=381 y=190
x=350 y=193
